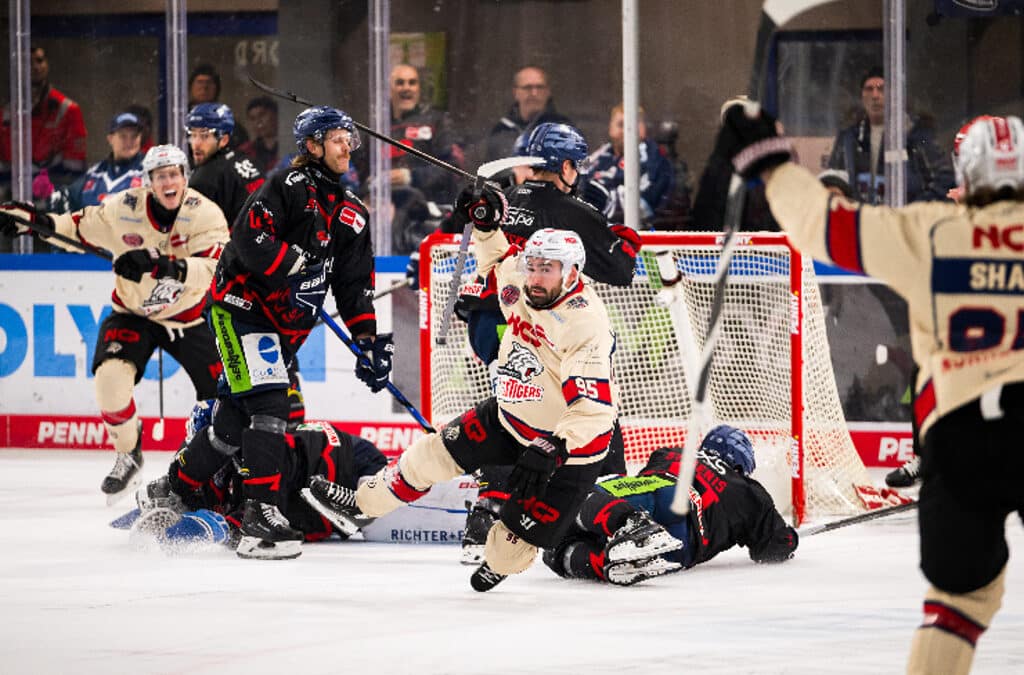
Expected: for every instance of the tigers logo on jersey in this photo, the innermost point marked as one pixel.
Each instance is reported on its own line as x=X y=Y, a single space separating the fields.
x=351 y=217
x=513 y=381
x=165 y=293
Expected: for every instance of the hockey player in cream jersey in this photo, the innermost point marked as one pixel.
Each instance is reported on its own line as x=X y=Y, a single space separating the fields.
x=551 y=417
x=961 y=270
x=165 y=238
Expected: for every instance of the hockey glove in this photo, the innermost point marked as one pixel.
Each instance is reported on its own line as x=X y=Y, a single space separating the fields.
x=750 y=140
x=631 y=242
x=533 y=470
x=378 y=352
x=412 y=271
x=9 y=227
x=133 y=264
x=487 y=209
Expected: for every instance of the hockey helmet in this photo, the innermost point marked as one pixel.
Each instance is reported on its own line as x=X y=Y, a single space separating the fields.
x=215 y=116
x=732 y=446
x=991 y=154
x=556 y=143
x=564 y=246
x=163 y=155
x=200 y=418
x=315 y=122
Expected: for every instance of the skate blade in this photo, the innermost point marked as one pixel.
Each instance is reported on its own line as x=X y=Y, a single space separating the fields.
x=473 y=554
x=347 y=526
x=627 y=574
x=657 y=544
x=254 y=548
x=130 y=488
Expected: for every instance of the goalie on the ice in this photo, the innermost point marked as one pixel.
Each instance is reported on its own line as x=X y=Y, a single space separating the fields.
x=626 y=530
x=551 y=416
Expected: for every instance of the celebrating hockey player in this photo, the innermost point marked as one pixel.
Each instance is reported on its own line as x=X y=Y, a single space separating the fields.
x=546 y=199
x=961 y=271
x=550 y=418
x=173 y=505
x=626 y=531
x=166 y=239
x=303 y=233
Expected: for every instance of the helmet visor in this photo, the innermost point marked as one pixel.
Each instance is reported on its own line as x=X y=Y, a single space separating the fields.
x=350 y=136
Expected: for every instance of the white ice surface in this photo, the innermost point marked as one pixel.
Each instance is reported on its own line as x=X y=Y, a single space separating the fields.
x=76 y=598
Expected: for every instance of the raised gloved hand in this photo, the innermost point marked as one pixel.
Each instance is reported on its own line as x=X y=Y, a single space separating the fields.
x=629 y=238
x=9 y=227
x=533 y=470
x=378 y=352
x=412 y=271
x=750 y=140
x=132 y=265
x=487 y=209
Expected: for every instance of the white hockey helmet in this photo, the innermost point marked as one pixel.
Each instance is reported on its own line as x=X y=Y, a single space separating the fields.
x=564 y=246
x=991 y=154
x=160 y=156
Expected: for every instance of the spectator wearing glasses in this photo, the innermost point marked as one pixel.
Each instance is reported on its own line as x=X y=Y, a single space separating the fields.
x=532 y=106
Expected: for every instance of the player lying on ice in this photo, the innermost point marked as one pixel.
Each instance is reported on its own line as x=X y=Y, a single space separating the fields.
x=552 y=413
x=626 y=532
x=176 y=508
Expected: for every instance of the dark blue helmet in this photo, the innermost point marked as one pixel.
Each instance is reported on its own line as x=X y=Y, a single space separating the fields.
x=216 y=116
x=732 y=446
x=556 y=143
x=315 y=122
x=199 y=418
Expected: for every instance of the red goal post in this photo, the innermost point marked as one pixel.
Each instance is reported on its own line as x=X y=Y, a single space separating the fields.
x=772 y=375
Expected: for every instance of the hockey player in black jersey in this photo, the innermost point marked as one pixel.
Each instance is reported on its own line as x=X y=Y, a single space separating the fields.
x=221 y=173
x=626 y=531
x=546 y=199
x=301 y=234
x=179 y=508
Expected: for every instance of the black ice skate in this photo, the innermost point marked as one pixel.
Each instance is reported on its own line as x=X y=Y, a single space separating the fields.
x=639 y=538
x=336 y=503
x=484 y=578
x=906 y=475
x=634 y=571
x=481 y=516
x=157 y=494
x=267 y=534
x=125 y=476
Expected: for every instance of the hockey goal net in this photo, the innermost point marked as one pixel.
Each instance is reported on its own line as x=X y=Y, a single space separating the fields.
x=771 y=376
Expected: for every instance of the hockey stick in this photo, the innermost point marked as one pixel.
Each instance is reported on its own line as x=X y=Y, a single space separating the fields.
x=73 y=243
x=485 y=171
x=853 y=520
x=360 y=356
x=291 y=96
x=158 y=428
x=699 y=411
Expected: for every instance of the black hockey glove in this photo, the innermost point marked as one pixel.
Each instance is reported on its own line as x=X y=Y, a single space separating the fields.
x=412 y=271
x=133 y=264
x=307 y=283
x=749 y=139
x=9 y=227
x=164 y=267
x=487 y=209
x=533 y=470
x=378 y=352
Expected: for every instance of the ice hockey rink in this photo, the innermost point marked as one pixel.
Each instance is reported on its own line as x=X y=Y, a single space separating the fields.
x=76 y=597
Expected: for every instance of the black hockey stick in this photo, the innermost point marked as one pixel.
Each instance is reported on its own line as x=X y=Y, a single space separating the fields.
x=812 y=530
x=47 y=234
x=291 y=96
x=360 y=356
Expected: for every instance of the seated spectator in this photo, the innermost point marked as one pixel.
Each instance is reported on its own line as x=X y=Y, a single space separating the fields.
x=262 y=147
x=122 y=169
x=860 y=151
x=532 y=105
x=146 y=121
x=608 y=169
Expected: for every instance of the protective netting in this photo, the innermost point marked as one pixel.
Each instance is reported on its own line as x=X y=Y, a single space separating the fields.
x=750 y=383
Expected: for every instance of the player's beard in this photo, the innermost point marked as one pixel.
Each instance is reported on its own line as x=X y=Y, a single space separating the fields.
x=540 y=297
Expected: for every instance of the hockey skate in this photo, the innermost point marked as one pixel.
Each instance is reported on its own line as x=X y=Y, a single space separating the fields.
x=158 y=494
x=633 y=572
x=336 y=503
x=639 y=538
x=906 y=475
x=484 y=578
x=481 y=516
x=125 y=476
x=267 y=534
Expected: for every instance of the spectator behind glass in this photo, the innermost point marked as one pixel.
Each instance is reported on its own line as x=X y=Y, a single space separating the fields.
x=58 y=133
x=859 y=150
x=608 y=170
x=145 y=123
x=204 y=87
x=261 y=116
x=122 y=169
x=532 y=105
